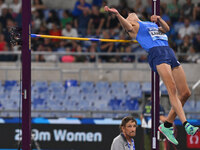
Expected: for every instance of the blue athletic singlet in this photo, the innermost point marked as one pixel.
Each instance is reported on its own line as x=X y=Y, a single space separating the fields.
x=155 y=43
x=149 y=35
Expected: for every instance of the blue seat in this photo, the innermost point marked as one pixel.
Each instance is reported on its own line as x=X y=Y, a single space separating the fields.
x=87 y=87
x=117 y=93
x=42 y=89
x=117 y=89
x=198 y=104
x=71 y=105
x=3 y=96
x=56 y=84
x=55 y=105
x=115 y=104
x=69 y=83
x=105 y=97
x=101 y=86
x=75 y=98
x=15 y=94
x=137 y=93
x=85 y=105
x=117 y=85
x=163 y=89
x=1 y=89
x=10 y=84
x=56 y=89
x=38 y=101
x=131 y=104
x=59 y=96
x=10 y=105
x=91 y=97
x=133 y=85
x=101 y=105
x=41 y=84
x=146 y=87
x=74 y=90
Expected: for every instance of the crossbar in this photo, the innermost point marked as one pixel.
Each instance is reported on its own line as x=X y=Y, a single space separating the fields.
x=82 y=39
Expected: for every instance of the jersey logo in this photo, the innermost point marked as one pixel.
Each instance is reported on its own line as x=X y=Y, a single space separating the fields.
x=156 y=34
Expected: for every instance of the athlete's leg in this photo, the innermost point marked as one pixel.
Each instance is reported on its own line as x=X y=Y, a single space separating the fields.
x=183 y=90
x=166 y=75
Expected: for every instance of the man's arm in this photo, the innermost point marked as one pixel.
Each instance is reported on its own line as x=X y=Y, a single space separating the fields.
x=163 y=25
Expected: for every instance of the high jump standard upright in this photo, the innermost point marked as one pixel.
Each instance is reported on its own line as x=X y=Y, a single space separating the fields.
x=155 y=92
x=26 y=75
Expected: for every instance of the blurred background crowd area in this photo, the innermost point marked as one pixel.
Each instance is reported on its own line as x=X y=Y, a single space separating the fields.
x=88 y=19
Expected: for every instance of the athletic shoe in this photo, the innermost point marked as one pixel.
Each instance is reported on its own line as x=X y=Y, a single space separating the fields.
x=190 y=129
x=169 y=133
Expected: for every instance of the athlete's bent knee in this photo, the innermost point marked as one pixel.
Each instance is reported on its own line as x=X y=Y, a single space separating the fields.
x=185 y=95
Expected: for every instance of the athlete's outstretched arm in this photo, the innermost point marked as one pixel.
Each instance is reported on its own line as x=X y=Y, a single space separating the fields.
x=164 y=26
x=125 y=24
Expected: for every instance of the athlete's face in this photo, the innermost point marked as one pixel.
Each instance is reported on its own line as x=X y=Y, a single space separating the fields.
x=129 y=129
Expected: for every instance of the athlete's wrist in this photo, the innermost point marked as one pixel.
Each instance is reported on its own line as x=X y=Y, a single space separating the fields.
x=158 y=18
x=117 y=14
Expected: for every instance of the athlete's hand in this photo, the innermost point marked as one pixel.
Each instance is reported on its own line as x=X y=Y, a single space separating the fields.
x=155 y=18
x=111 y=10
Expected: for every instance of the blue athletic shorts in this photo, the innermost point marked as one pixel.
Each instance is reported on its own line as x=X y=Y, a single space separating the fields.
x=162 y=54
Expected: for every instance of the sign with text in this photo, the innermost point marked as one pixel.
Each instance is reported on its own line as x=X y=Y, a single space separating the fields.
x=61 y=136
x=193 y=141
x=80 y=137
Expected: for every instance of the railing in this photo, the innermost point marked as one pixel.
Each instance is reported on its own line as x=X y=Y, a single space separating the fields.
x=97 y=54
x=58 y=54
x=81 y=113
x=84 y=113
x=193 y=91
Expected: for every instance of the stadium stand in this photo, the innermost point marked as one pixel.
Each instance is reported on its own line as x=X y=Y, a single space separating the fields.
x=75 y=96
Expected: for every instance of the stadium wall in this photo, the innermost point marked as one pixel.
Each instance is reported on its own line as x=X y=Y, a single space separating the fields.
x=91 y=72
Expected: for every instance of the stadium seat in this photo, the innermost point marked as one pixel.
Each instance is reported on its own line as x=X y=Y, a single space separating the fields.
x=146 y=87
x=131 y=104
x=87 y=87
x=1 y=90
x=117 y=85
x=69 y=83
x=133 y=85
x=38 y=101
x=137 y=93
x=105 y=97
x=101 y=105
x=41 y=84
x=101 y=86
x=118 y=93
x=10 y=84
x=74 y=90
x=115 y=104
x=56 y=84
x=163 y=89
